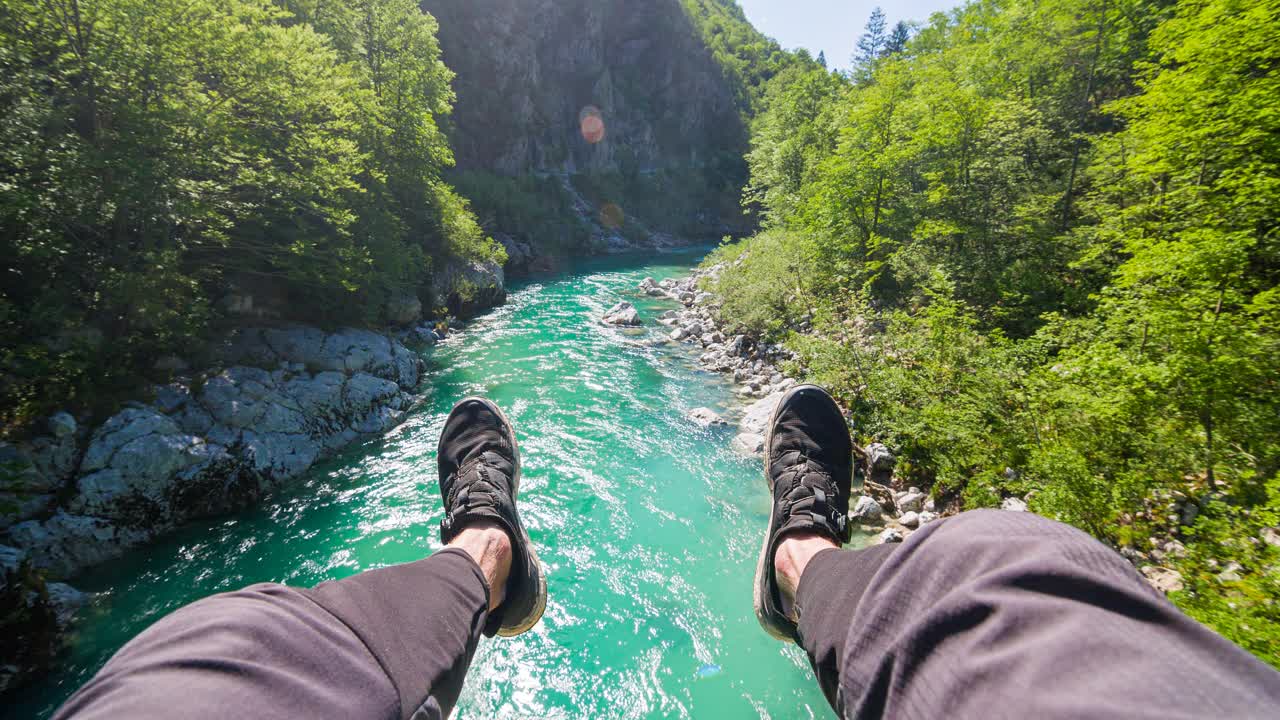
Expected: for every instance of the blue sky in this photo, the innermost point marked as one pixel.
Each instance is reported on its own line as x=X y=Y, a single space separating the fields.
x=830 y=25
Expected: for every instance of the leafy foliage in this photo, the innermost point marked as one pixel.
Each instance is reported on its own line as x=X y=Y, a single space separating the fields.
x=161 y=157
x=1037 y=252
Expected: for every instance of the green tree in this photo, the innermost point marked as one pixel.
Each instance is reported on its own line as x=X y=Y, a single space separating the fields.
x=871 y=44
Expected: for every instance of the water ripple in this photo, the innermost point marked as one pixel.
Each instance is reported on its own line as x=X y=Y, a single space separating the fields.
x=647 y=524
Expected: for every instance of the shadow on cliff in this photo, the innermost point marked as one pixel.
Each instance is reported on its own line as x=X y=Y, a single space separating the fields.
x=587 y=126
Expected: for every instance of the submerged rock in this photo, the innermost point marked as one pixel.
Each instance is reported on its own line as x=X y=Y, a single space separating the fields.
x=705 y=417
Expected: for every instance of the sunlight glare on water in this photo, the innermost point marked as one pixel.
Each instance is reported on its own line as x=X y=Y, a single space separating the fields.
x=648 y=525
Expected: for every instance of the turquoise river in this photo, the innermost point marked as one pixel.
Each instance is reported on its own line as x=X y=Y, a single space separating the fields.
x=648 y=525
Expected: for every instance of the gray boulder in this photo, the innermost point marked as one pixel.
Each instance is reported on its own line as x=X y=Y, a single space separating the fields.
x=65 y=601
x=1164 y=579
x=756 y=418
x=279 y=455
x=866 y=510
x=468 y=287
x=880 y=458
x=317 y=396
x=363 y=391
x=66 y=543
x=624 y=313
x=296 y=344
x=910 y=501
x=1013 y=504
x=236 y=397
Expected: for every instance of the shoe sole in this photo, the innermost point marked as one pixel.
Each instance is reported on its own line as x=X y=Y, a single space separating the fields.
x=762 y=570
x=540 y=605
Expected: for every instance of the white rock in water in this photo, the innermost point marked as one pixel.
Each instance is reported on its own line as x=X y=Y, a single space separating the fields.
x=866 y=510
x=749 y=443
x=927 y=517
x=1014 y=504
x=910 y=519
x=705 y=417
x=624 y=313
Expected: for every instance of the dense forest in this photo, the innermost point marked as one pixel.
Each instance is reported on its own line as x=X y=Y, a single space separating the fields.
x=163 y=159
x=1033 y=245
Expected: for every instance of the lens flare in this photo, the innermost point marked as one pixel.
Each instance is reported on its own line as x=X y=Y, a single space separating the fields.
x=591 y=124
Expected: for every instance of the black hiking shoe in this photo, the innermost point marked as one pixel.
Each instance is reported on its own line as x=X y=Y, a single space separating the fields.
x=808 y=464
x=479 y=479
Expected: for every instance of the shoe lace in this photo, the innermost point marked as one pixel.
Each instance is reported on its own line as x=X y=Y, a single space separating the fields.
x=809 y=488
x=475 y=484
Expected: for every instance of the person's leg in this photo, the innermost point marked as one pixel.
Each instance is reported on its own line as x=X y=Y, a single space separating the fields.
x=1000 y=614
x=987 y=614
x=422 y=621
x=380 y=644
x=392 y=643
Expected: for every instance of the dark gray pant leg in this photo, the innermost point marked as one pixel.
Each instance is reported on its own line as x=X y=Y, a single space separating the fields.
x=998 y=614
x=421 y=620
x=384 y=644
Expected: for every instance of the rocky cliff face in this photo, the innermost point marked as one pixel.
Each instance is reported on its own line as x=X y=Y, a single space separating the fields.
x=589 y=126
x=535 y=76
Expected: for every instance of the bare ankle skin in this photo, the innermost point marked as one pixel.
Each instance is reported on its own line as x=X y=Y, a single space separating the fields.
x=789 y=562
x=488 y=544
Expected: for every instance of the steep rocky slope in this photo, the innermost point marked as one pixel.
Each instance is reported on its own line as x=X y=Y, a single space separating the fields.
x=528 y=69
x=616 y=103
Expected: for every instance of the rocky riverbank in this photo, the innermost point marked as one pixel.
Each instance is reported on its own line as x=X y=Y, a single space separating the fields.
x=213 y=441
x=884 y=507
